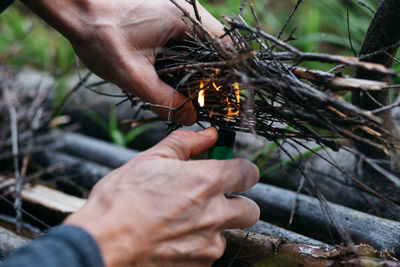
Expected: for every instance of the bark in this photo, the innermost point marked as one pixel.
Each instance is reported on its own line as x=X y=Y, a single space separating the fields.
x=9 y=242
x=83 y=172
x=252 y=249
x=96 y=150
x=277 y=205
x=383 y=32
x=274 y=231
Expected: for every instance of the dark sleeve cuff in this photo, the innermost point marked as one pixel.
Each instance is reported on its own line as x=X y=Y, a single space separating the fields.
x=4 y=4
x=63 y=246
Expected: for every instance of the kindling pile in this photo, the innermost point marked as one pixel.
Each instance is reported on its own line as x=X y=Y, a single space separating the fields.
x=250 y=81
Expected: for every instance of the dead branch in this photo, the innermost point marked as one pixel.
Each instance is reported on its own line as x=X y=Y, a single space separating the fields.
x=274 y=231
x=276 y=204
x=252 y=248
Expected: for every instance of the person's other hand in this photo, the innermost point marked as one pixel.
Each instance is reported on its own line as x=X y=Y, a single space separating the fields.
x=118 y=40
x=162 y=209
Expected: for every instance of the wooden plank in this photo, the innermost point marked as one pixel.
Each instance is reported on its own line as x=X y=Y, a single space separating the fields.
x=52 y=199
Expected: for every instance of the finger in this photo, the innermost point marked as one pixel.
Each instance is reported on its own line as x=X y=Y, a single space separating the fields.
x=210 y=23
x=185 y=144
x=214 y=26
x=228 y=176
x=145 y=84
x=242 y=212
x=244 y=178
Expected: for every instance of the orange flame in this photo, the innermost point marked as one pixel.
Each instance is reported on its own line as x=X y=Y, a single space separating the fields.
x=237 y=92
x=229 y=112
x=227 y=101
x=216 y=87
x=201 y=98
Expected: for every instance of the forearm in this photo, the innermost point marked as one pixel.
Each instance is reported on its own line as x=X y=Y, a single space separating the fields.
x=66 y=16
x=62 y=247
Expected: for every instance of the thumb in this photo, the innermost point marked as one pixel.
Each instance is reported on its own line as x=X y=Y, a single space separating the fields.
x=184 y=144
x=145 y=84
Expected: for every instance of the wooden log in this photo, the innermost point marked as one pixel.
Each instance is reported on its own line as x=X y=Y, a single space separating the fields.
x=95 y=150
x=83 y=172
x=276 y=205
x=334 y=185
x=274 y=231
x=252 y=249
x=9 y=242
x=28 y=231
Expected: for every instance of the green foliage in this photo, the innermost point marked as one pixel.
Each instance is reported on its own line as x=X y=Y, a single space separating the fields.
x=321 y=25
x=111 y=128
x=261 y=156
x=283 y=163
x=28 y=41
x=61 y=90
x=320 y=22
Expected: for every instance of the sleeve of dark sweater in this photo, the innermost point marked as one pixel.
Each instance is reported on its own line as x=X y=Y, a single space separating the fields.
x=63 y=246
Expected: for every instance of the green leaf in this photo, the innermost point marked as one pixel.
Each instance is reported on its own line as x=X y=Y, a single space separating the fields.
x=286 y=162
x=117 y=138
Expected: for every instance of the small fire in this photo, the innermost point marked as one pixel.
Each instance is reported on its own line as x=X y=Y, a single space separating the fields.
x=231 y=111
x=216 y=72
x=237 y=92
x=216 y=87
x=201 y=98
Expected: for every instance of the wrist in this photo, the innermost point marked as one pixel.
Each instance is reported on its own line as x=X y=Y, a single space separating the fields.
x=116 y=244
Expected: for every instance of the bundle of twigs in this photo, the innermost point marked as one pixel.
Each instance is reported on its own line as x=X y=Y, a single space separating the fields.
x=253 y=83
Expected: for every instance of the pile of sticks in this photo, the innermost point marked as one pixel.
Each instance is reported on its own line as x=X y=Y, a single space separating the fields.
x=253 y=83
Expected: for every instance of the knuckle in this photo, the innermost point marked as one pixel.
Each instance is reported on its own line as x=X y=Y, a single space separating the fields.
x=207 y=187
x=175 y=142
x=220 y=221
x=211 y=181
x=178 y=136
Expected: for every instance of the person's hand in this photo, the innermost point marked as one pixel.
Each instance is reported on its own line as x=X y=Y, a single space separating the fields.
x=162 y=209
x=118 y=40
